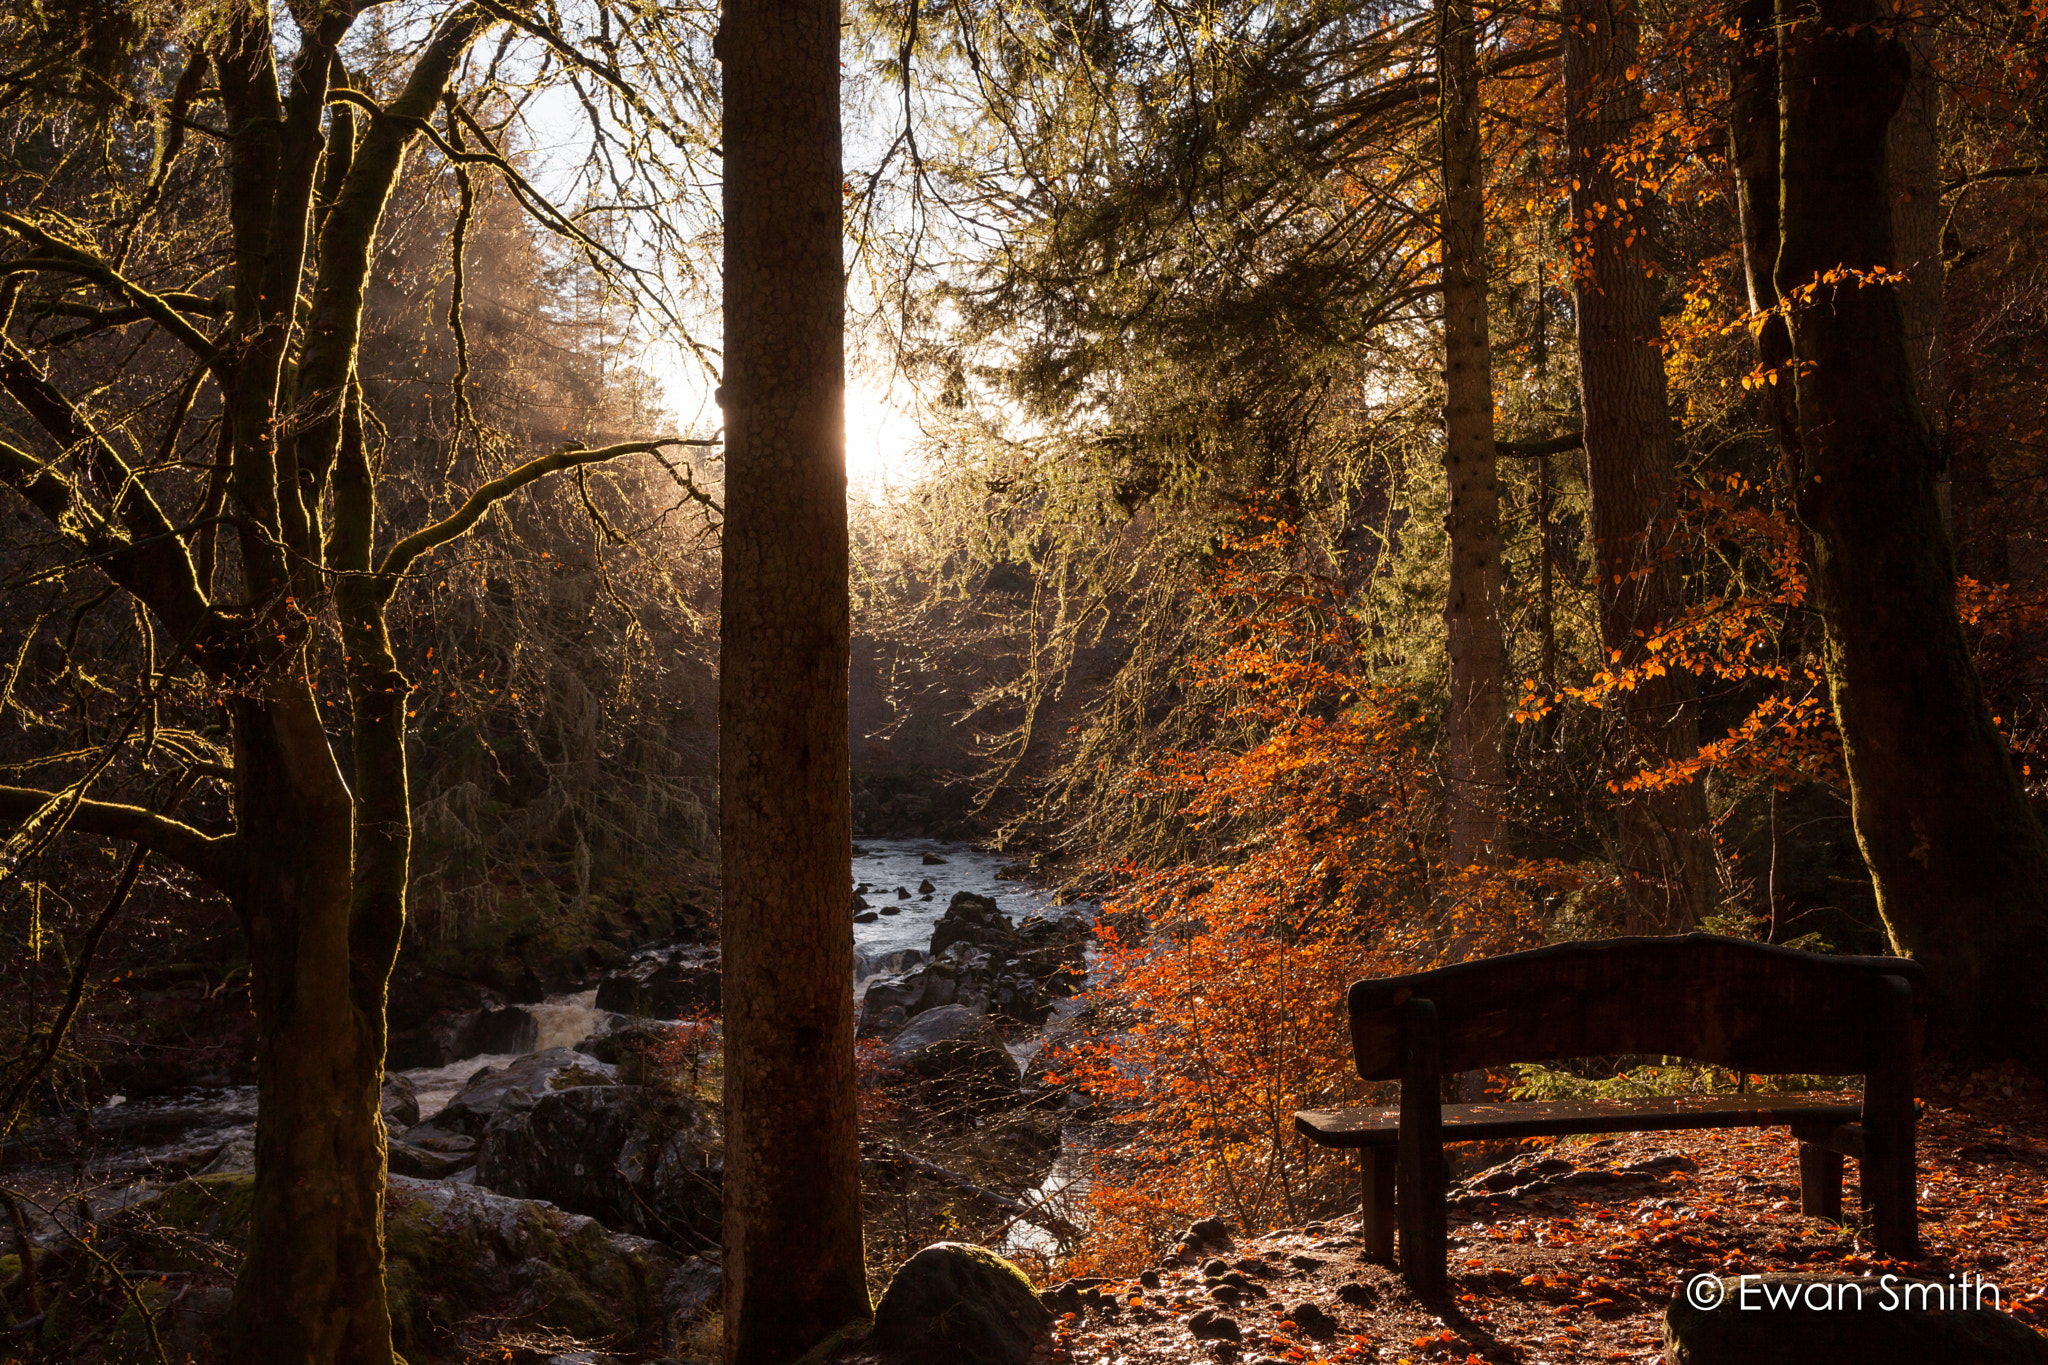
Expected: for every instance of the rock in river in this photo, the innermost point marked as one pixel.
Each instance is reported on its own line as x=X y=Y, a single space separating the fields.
x=518 y=1085
x=633 y=1157
x=655 y=989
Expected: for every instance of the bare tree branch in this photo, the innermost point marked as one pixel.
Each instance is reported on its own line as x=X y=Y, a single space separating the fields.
x=214 y=857
x=400 y=556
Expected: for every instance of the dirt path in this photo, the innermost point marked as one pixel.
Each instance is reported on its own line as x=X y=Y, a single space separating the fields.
x=1573 y=1251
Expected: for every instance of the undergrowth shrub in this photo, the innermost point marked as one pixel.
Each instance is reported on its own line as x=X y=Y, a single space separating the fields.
x=1221 y=986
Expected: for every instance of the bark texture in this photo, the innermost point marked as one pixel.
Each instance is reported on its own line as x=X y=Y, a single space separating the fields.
x=1478 y=710
x=1666 y=857
x=312 y=1286
x=1913 y=162
x=1959 y=862
x=1753 y=146
x=794 y=1271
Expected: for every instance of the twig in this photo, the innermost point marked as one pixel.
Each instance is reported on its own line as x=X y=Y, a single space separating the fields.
x=1037 y=1217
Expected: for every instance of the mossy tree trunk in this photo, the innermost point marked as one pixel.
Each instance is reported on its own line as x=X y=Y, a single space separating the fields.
x=317 y=864
x=1667 y=859
x=1959 y=862
x=794 y=1267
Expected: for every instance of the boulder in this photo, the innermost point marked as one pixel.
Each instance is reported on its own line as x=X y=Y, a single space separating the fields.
x=237 y=1156
x=1017 y=995
x=932 y=860
x=965 y=1072
x=954 y=1304
x=456 y=1258
x=492 y=1088
x=450 y=1036
x=1836 y=1320
x=655 y=989
x=507 y=1030
x=435 y=1042
x=633 y=1046
x=962 y=975
x=1054 y=949
x=423 y=1163
x=885 y=1022
x=958 y=1056
x=976 y=921
x=400 y=1103
x=948 y=1023
x=456 y=1252
x=633 y=1158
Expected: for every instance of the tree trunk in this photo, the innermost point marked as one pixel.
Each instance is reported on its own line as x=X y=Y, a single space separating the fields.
x=1913 y=159
x=794 y=1268
x=1478 y=710
x=1753 y=139
x=1959 y=862
x=312 y=1286
x=1667 y=862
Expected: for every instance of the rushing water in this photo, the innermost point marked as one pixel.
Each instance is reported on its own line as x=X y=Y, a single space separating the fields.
x=883 y=865
x=181 y=1126
x=561 y=1021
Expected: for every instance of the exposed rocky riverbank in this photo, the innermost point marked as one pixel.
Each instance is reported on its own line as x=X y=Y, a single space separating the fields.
x=572 y=1118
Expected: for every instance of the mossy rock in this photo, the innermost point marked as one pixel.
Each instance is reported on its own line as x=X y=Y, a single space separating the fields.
x=451 y=1253
x=192 y=1325
x=552 y=1299
x=956 y=1304
x=211 y=1206
x=183 y=1226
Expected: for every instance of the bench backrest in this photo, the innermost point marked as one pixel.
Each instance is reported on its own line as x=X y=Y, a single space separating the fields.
x=1748 y=1006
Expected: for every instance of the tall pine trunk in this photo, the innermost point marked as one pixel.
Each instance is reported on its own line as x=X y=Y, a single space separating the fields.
x=1666 y=857
x=1959 y=862
x=794 y=1268
x=1478 y=709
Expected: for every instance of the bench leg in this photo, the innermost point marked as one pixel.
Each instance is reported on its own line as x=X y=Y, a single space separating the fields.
x=1890 y=1180
x=1376 y=1215
x=1890 y=1192
x=1820 y=1182
x=1424 y=1183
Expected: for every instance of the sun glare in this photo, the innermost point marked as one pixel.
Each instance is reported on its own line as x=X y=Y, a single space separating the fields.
x=882 y=431
x=881 y=439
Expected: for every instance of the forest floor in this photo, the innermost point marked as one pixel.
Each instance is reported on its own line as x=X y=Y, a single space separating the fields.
x=1581 y=1264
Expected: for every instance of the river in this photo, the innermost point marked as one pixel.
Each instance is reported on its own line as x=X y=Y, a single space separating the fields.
x=180 y=1130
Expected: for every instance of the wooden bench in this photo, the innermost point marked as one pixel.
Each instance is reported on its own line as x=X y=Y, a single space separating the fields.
x=1750 y=1007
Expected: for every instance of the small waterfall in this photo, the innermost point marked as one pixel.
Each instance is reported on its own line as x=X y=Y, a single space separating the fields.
x=565 y=1020
x=560 y=1021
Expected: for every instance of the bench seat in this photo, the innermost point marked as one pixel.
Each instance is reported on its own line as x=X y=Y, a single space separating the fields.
x=1381 y=1127
x=1753 y=1008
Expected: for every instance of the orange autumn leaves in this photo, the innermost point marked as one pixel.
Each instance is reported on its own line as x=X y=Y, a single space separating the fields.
x=1326 y=864
x=1316 y=807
